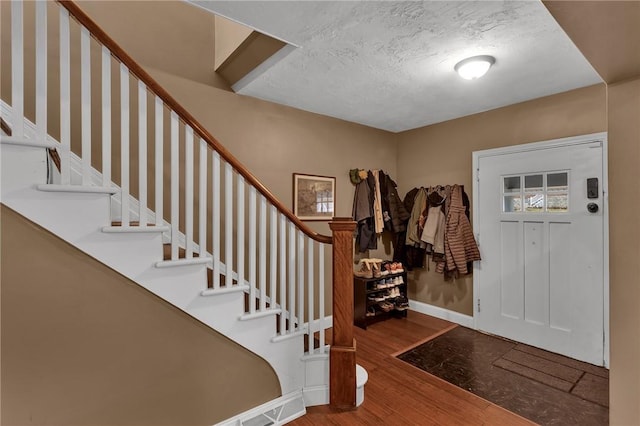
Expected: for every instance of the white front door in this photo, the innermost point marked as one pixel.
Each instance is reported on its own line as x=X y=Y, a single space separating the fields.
x=539 y=212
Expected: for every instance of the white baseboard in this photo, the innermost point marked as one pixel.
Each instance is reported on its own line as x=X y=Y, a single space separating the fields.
x=438 y=312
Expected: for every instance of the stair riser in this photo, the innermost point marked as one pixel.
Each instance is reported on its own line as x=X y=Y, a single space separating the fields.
x=181 y=286
x=75 y=217
x=317 y=371
x=21 y=168
x=220 y=310
x=130 y=254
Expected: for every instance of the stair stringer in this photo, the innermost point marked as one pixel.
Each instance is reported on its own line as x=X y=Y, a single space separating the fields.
x=78 y=218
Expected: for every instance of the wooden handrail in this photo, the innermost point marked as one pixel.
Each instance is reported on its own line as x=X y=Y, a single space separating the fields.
x=102 y=37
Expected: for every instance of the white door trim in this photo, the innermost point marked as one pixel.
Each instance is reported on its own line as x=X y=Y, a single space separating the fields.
x=573 y=140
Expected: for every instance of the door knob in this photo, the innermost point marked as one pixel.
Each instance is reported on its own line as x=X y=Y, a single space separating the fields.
x=592 y=207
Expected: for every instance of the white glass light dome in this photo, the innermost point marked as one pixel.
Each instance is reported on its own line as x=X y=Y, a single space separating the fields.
x=474 y=67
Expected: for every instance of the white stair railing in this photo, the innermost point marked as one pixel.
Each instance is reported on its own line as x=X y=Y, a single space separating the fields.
x=219 y=214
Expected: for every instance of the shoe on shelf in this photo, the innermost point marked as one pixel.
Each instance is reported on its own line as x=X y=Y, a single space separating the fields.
x=386 y=306
x=364 y=269
x=378 y=267
x=371 y=311
x=398 y=268
x=402 y=303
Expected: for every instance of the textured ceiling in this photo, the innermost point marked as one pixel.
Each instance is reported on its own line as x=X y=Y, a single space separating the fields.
x=389 y=64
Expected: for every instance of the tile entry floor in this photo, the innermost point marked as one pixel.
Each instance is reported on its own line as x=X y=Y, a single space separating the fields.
x=546 y=388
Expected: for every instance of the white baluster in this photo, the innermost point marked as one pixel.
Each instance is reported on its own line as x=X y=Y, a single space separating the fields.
x=215 y=228
x=291 y=261
x=321 y=287
x=300 y=287
x=202 y=199
x=252 y=249
x=175 y=186
x=310 y=289
x=41 y=71
x=142 y=152
x=85 y=112
x=282 y=254
x=273 y=254
x=17 y=69
x=188 y=189
x=228 y=224
x=263 y=253
x=106 y=117
x=159 y=161
x=65 y=97
x=124 y=144
x=240 y=230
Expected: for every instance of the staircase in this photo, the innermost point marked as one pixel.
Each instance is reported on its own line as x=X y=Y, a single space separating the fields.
x=168 y=206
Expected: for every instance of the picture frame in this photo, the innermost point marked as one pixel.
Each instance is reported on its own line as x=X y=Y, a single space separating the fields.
x=314 y=196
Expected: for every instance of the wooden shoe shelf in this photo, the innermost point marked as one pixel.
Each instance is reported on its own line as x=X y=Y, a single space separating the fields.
x=365 y=288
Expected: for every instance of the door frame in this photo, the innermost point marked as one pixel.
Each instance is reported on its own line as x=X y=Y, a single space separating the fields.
x=537 y=146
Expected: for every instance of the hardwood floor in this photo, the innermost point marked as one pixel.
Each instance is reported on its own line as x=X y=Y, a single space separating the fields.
x=400 y=394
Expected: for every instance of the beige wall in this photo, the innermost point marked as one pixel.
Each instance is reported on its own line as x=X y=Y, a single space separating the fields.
x=228 y=36
x=624 y=234
x=164 y=29
x=441 y=154
x=274 y=141
x=83 y=345
x=606 y=32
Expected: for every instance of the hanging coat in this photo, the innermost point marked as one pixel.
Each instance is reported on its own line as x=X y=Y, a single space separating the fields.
x=459 y=244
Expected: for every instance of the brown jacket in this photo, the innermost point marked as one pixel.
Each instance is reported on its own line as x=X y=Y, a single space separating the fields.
x=459 y=244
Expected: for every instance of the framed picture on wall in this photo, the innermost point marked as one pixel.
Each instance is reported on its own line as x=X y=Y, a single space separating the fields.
x=314 y=196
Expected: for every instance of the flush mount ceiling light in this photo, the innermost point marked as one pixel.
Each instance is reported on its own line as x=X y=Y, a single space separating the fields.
x=474 y=67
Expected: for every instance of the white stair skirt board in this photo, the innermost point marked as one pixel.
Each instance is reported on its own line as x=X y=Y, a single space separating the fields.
x=445 y=314
x=277 y=412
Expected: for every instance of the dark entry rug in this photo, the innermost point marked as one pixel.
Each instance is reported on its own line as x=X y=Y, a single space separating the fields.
x=546 y=388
